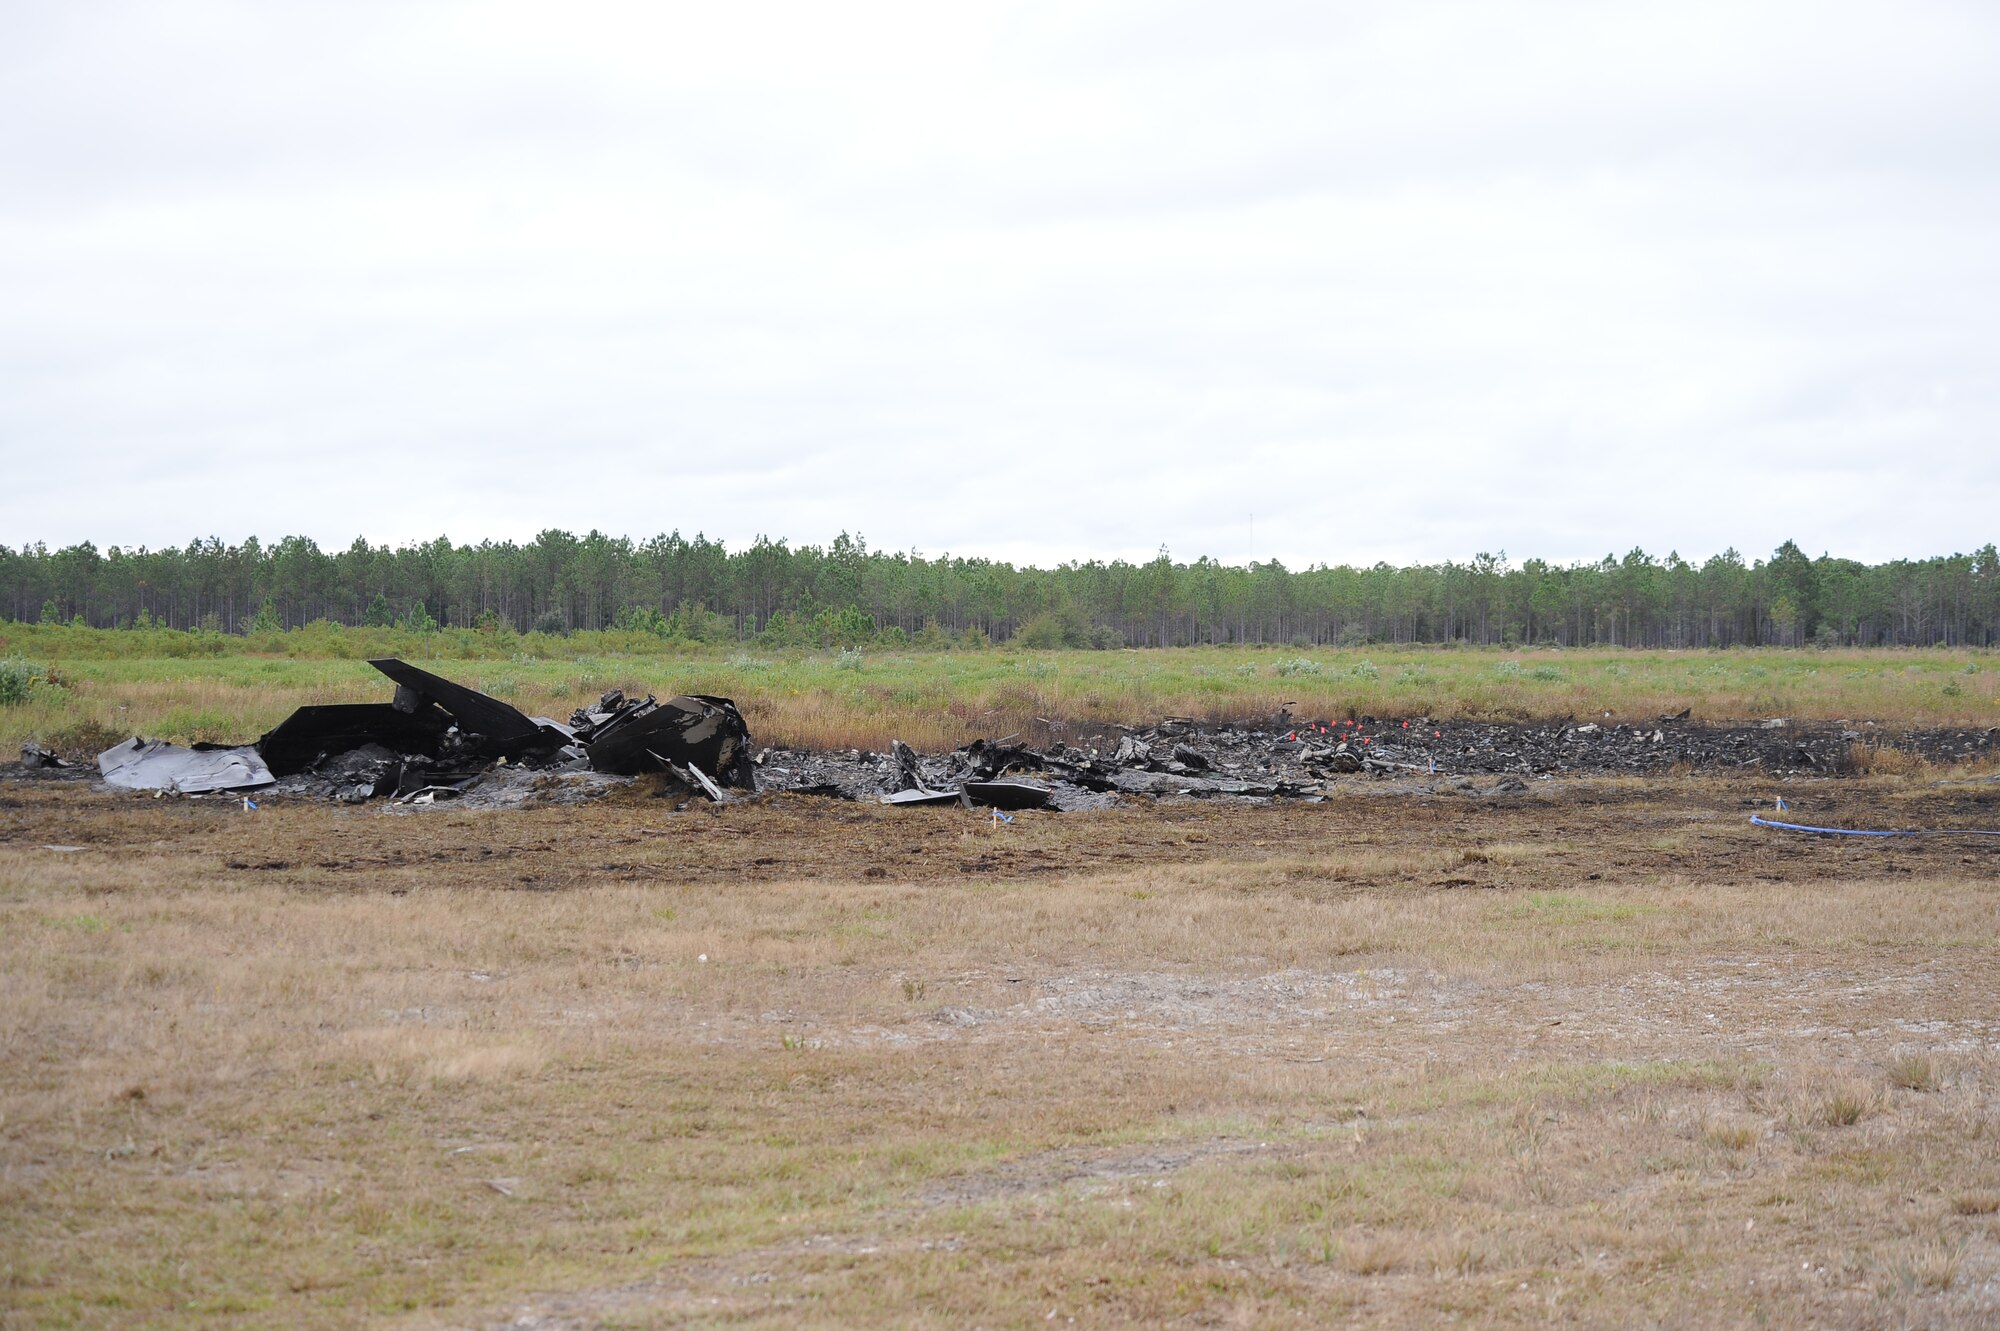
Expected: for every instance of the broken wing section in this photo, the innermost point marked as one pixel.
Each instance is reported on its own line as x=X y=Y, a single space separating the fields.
x=489 y=725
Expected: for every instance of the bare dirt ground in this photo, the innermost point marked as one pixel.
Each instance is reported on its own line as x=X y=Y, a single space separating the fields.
x=1599 y=1054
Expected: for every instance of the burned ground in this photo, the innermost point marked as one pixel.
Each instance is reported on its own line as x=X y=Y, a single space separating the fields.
x=1293 y=759
x=1582 y=830
x=439 y=740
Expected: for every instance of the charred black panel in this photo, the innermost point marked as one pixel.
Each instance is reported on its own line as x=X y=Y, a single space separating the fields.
x=1008 y=794
x=313 y=732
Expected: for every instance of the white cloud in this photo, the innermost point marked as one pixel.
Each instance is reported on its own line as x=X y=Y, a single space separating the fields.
x=1034 y=281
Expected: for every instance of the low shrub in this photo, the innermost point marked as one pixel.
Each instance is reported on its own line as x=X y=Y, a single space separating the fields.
x=17 y=680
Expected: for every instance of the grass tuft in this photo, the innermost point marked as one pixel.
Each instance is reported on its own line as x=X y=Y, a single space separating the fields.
x=1914 y=1072
x=1931 y=1269
x=1846 y=1104
x=1881 y=760
x=1734 y=1134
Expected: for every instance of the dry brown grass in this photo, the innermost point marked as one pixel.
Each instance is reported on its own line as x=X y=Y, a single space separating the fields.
x=1733 y=1133
x=1249 y=1067
x=1929 y=1268
x=940 y=700
x=401 y=1055
x=1844 y=1104
x=1915 y=1070
x=1866 y=759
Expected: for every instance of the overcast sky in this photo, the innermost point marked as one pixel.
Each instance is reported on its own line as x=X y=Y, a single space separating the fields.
x=1035 y=281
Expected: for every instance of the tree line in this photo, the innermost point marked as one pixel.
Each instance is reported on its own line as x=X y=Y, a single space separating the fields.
x=843 y=592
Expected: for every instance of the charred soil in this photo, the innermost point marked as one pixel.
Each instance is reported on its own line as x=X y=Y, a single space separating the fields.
x=1578 y=830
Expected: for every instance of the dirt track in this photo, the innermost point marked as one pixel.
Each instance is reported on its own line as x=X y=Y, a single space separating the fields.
x=1610 y=831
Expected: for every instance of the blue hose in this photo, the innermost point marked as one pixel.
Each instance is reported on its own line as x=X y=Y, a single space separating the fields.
x=1849 y=831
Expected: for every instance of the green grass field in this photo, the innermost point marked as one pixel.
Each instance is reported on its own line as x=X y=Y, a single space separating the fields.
x=237 y=688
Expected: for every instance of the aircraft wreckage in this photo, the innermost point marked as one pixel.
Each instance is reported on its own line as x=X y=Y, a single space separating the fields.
x=440 y=740
x=437 y=740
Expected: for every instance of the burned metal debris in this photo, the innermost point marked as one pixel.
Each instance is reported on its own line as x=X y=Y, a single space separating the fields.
x=703 y=735
x=1177 y=759
x=1287 y=759
x=487 y=725
x=997 y=774
x=1008 y=794
x=35 y=757
x=437 y=739
x=140 y=764
x=311 y=734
